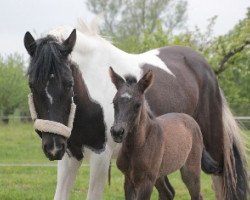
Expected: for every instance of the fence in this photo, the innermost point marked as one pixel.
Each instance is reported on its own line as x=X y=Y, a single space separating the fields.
x=243 y=120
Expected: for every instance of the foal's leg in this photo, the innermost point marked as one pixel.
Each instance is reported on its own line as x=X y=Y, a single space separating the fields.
x=130 y=192
x=164 y=188
x=66 y=174
x=99 y=165
x=145 y=190
x=191 y=177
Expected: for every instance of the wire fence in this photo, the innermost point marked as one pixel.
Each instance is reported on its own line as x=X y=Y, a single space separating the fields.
x=244 y=121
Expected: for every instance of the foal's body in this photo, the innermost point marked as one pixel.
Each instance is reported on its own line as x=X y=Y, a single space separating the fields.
x=170 y=142
x=155 y=147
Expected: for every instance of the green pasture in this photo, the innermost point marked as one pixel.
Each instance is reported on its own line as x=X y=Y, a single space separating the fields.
x=19 y=144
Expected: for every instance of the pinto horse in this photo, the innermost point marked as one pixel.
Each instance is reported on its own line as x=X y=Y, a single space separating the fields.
x=155 y=147
x=68 y=64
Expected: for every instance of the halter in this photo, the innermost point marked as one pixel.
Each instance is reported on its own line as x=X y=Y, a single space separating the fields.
x=52 y=126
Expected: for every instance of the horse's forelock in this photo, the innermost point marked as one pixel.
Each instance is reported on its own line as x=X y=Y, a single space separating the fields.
x=47 y=59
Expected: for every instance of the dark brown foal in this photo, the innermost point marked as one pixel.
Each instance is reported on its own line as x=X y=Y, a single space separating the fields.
x=155 y=147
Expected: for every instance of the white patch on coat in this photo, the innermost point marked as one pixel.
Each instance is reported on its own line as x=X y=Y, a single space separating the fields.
x=55 y=149
x=66 y=173
x=151 y=58
x=46 y=90
x=126 y=95
x=48 y=94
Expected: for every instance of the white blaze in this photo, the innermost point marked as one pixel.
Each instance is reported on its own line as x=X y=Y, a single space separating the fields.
x=47 y=92
x=126 y=95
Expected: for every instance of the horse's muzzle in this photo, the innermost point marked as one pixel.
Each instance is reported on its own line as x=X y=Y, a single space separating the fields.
x=53 y=146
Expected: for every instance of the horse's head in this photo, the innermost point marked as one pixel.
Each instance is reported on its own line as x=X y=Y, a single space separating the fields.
x=51 y=83
x=128 y=103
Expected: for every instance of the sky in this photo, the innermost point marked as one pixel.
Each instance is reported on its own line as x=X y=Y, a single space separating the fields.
x=39 y=16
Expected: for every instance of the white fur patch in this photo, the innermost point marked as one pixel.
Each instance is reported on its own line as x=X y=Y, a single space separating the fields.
x=151 y=57
x=67 y=170
x=48 y=94
x=126 y=95
x=54 y=150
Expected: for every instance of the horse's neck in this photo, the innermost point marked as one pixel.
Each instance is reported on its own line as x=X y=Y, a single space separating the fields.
x=96 y=62
x=138 y=135
x=80 y=89
x=94 y=67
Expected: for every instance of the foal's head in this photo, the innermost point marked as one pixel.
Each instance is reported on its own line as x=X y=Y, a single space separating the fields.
x=128 y=103
x=51 y=83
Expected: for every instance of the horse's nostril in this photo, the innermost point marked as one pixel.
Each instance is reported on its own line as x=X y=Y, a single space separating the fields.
x=120 y=132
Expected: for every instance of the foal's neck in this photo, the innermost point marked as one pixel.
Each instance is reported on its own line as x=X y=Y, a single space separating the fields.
x=138 y=135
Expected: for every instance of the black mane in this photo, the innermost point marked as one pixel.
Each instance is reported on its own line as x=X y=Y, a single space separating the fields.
x=130 y=79
x=49 y=57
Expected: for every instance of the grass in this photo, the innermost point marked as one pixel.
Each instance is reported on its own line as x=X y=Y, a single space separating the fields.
x=20 y=144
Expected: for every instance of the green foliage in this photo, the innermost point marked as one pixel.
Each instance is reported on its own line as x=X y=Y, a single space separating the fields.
x=130 y=18
x=230 y=57
x=13 y=85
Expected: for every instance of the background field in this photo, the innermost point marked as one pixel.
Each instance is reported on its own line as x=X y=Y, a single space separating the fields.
x=20 y=145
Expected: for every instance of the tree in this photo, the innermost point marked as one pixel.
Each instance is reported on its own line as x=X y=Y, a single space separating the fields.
x=13 y=86
x=229 y=55
x=130 y=18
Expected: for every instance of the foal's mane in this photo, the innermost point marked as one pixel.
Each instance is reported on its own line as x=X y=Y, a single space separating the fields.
x=50 y=57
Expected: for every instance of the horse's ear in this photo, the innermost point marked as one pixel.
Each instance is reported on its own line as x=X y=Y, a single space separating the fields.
x=29 y=43
x=69 y=43
x=146 y=81
x=116 y=78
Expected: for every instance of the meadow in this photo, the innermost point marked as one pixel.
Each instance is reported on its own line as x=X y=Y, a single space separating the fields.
x=26 y=174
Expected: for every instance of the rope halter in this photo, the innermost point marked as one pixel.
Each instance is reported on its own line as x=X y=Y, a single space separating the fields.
x=52 y=126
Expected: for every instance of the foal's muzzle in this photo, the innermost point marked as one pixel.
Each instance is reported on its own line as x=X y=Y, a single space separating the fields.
x=117 y=133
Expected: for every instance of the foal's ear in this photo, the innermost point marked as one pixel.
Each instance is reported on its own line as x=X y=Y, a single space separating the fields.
x=29 y=43
x=69 y=43
x=146 y=81
x=116 y=78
